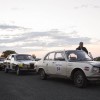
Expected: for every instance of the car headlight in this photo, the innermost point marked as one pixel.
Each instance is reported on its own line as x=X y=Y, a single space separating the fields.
x=95 y=69
x=20 y=65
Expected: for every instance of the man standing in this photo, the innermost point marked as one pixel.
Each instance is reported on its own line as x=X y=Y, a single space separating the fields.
x=80 y=47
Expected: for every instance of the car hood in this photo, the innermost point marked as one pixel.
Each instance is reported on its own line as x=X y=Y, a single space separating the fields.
x=93 y=63
x=26 y=62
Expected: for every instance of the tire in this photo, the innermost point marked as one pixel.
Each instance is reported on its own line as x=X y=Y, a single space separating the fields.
x=80 y=79
x=18 y=71
x=6 y=70
x=4 y=67
x=43 y=76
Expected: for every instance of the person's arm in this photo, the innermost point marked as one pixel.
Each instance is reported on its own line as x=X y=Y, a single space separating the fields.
x=85 y=50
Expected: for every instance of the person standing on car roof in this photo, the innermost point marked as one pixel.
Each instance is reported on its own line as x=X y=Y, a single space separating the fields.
x=80 y=47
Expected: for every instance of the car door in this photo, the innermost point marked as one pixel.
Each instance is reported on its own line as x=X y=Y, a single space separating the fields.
x=48 y=63
x=60 y=64
x=7 y=61
x=12 y=61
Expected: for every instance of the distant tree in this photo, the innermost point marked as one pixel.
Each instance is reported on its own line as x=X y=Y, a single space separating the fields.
x=97 y=59
x=7 y=52
x=33 y=55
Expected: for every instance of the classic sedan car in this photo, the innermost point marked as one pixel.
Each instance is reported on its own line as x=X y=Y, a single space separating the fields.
x=19 y=63
x=72 y=64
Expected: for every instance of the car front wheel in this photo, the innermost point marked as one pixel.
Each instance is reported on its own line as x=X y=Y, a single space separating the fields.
x=18 y=71
x=80 y=79
x=43 y=76
x=6 y=70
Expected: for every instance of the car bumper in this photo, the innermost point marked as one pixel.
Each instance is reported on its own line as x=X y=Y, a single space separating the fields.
x=94 y=78
x=27 y=69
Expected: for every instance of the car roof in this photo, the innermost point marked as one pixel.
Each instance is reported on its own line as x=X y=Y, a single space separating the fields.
x=63 y=50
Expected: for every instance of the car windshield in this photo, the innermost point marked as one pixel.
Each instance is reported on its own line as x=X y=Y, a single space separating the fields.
x=24 y=57
x=77 y=55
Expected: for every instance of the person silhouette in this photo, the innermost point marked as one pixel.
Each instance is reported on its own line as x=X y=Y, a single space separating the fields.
x=80 y=47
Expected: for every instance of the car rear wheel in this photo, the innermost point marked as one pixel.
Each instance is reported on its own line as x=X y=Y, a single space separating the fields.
x=80 y=79
x=43 y=76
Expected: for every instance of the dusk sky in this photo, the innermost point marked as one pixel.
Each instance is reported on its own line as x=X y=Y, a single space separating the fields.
x=39 y=26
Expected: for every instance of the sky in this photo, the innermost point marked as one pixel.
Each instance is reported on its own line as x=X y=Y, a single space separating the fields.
x=39 y=26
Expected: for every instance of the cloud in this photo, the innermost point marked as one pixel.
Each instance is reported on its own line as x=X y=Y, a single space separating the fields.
x=97 y=6
x=81 y=6
x=31 y=41
x=16 y=8
x=88 y=5
x=6 y=27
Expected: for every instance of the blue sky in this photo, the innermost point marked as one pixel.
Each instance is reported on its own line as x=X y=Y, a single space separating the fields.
x=39 y=26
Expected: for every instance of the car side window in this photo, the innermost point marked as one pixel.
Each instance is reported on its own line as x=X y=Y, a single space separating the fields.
x=59 y=57
x=50 y=56
x=72 y=57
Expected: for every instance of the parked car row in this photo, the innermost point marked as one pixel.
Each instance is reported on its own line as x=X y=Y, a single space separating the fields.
x=75 y=65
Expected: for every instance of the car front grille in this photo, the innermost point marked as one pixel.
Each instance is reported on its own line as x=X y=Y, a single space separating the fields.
x=31 y=66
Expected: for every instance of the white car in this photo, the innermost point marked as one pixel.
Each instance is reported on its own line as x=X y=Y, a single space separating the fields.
x=73 y=64
x=19 y=63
